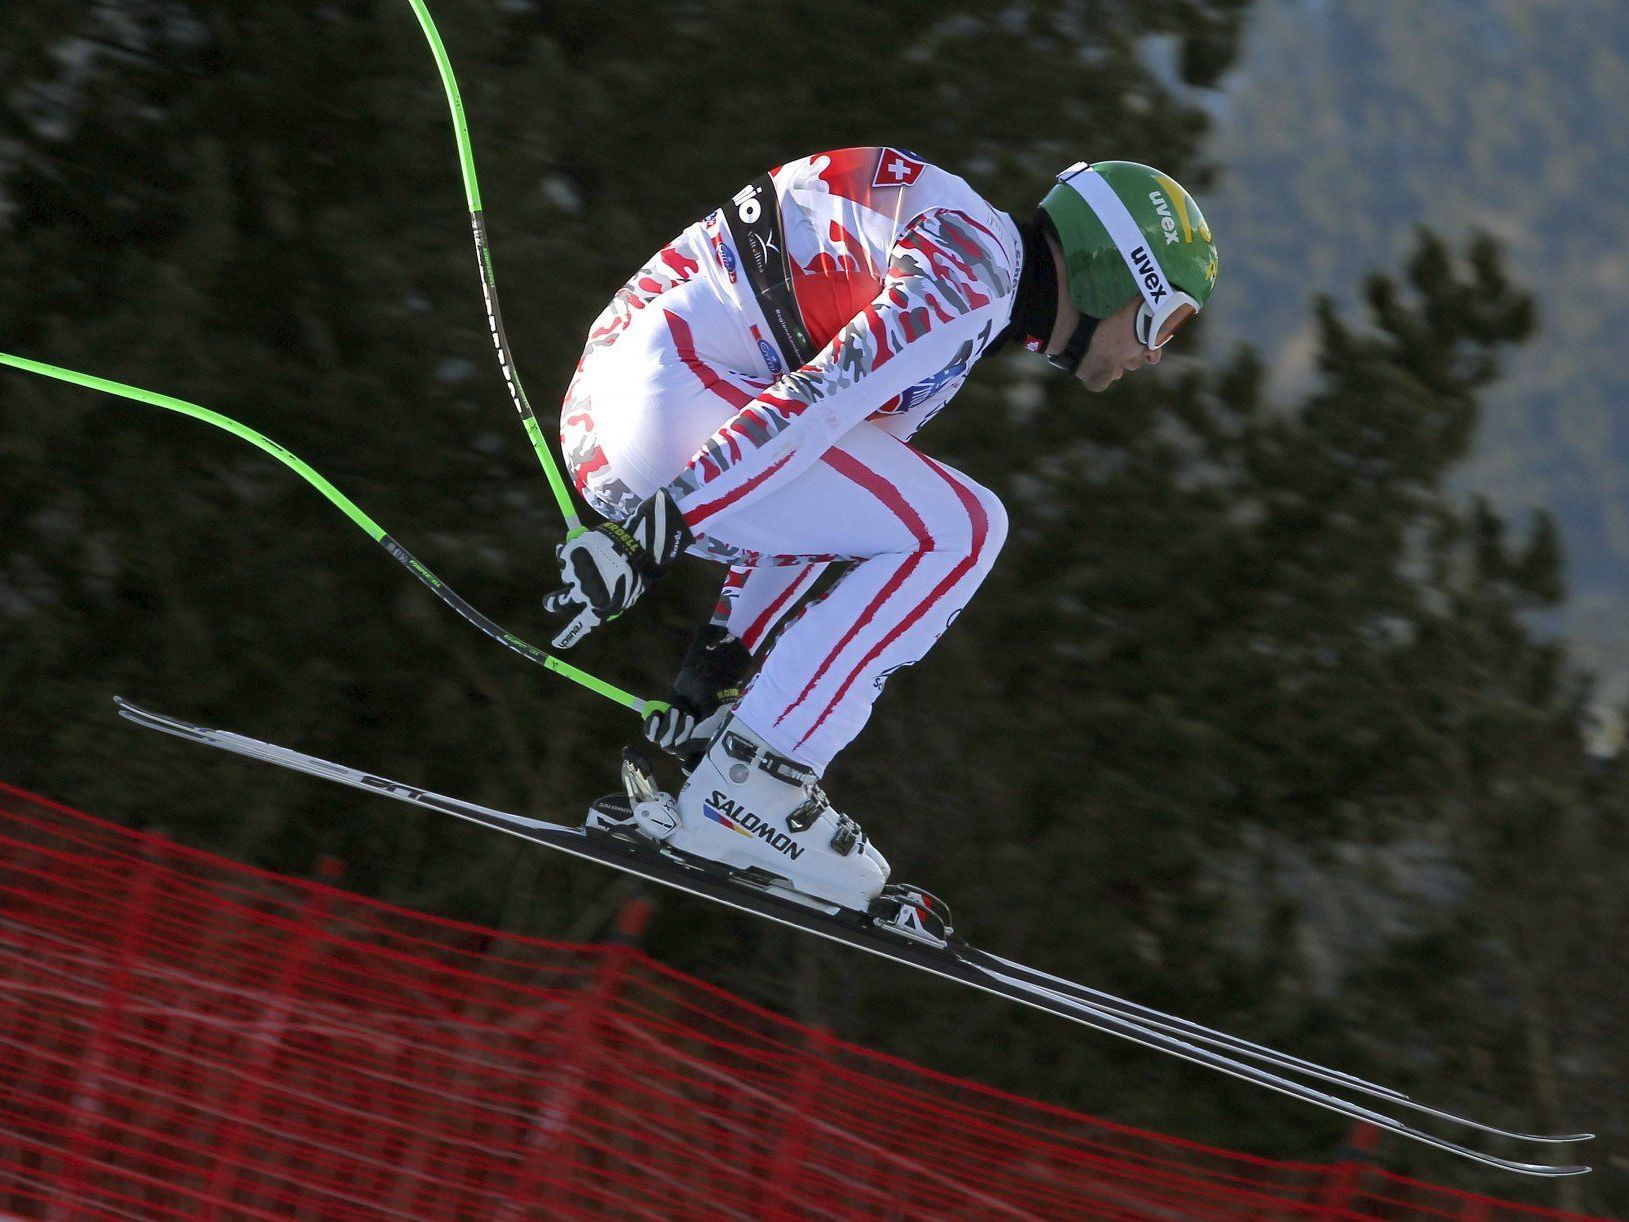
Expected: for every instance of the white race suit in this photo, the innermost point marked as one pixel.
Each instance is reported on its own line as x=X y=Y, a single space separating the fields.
x=768 y=369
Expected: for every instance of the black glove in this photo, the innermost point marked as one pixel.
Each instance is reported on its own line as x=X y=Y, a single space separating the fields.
x=606 y=569
x=704 y=694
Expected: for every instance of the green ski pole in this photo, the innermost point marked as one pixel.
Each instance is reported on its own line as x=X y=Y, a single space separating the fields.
x=350 y=509
x=489 y=284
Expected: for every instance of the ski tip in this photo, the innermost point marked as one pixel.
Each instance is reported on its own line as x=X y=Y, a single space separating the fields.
x=131 y=710
x=1553 y=1139
x=1547 y=1171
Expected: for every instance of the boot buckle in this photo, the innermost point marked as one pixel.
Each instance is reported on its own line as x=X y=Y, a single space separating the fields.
x=846 y=836
x=803 y=816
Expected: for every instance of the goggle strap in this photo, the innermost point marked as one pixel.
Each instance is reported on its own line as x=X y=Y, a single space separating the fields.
x=1068 y=358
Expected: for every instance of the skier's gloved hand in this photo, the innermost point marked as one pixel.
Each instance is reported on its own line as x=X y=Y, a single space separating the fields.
x=704 y=694
x=682 y=733
x=606 y=569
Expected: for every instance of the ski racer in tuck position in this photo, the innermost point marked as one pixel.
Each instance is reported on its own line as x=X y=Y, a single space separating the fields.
x=750 y=397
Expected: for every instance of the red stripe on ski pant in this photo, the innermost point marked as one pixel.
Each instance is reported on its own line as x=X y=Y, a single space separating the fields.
x=771 y=613
x=684 y=344
x=980 y=533
x=851 y=468
x=693 y=518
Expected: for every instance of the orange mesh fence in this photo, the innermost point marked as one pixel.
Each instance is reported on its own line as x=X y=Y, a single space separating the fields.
x=182 y=1036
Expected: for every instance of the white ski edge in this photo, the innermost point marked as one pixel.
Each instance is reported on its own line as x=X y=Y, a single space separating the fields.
x=1197 y=1032
x=1149 y=1017
x=1098 y=1016
x=1102 y=1019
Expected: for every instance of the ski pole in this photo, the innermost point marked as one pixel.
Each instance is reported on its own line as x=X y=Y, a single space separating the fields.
x=489 y=284
x=350 y=509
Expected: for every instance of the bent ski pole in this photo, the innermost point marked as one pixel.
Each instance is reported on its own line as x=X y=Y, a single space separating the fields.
x=489 y=284
x=349 y=508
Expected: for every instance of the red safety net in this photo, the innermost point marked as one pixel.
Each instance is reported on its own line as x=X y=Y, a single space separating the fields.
x=182 y=1036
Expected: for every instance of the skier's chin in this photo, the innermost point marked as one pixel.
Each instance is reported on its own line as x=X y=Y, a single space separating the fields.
x=1099 y=380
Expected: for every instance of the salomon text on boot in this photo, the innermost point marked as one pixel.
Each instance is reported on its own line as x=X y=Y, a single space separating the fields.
x=755 y=811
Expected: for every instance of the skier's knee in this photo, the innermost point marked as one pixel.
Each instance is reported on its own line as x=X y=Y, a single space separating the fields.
x=989 y=526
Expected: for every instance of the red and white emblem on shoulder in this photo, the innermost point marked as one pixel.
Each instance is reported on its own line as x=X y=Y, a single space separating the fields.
x=897 y=169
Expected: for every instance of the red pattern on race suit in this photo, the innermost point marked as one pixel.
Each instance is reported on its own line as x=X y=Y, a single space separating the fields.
x=674 y=264
x=901 y=287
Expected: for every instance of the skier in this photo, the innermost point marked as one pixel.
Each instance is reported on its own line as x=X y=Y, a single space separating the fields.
x=750 y=395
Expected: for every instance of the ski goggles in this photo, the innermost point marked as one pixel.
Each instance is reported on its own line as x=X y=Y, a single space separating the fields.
x=1156 y=327
x=1165 y=308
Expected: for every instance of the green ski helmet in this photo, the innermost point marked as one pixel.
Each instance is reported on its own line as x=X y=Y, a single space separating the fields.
x=1128 y=230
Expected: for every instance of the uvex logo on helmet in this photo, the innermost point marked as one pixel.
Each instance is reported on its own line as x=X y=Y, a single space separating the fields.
x=1150 y=273
x=1167 y=221
x=1128 y=229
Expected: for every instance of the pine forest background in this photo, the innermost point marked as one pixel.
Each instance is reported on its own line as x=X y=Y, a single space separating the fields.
x=1290 y=705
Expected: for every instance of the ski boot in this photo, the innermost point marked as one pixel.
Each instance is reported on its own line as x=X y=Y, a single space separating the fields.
x=759 y=816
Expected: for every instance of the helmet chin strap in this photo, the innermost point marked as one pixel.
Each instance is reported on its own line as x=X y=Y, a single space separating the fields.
x=1073 y=352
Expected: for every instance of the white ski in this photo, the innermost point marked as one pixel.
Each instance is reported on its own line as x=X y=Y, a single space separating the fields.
x=915 y=944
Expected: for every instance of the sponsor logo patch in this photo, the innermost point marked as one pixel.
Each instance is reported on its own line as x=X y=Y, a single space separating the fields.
x=767 y=351
x=727 y=812
x=746 y=203
x=932 y=384
x=723 y=820
x=762 y=247
x=726 y=255
x=754 y=220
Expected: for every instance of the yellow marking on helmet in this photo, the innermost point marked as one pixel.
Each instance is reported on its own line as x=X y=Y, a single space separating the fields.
x=1179 y=201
